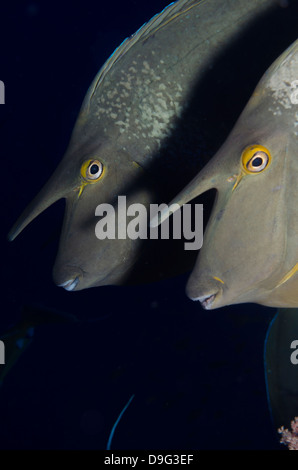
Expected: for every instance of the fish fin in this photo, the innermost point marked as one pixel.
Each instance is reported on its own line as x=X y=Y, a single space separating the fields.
x=172 y=11
x=117 y=422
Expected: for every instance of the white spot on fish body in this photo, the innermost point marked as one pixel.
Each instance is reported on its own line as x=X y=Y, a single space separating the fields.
x=127 y=85
x=162 y=103
x=279 y=82
x=122 y=124
x=111 y=94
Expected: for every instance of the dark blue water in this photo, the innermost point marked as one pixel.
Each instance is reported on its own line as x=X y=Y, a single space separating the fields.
x=197 y=376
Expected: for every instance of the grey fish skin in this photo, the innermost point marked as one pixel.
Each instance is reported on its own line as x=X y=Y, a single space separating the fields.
x=250 y=248
x=127 y=116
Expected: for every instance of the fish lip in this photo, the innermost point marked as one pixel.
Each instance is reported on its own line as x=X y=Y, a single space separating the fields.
x=70 y=285
x=206 y=301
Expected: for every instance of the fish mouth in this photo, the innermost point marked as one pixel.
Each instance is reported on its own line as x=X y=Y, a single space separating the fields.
x=206 y=301
x=70 y=285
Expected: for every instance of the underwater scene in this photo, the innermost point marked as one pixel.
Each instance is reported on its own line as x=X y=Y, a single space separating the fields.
x=119 y=342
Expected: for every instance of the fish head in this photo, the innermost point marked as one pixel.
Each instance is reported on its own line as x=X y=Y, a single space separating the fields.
x=243 y=248
x=250 y=251
x=87 y=177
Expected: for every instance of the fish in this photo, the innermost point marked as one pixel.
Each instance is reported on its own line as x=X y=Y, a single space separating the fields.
x=281 y=361
x=136 y=127
x=18 y=337
x=250 y=247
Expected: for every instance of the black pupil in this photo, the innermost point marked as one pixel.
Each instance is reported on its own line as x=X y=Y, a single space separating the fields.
x=94 y=169
x=257 y=162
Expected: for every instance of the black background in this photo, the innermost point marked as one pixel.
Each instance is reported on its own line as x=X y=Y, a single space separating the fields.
x=197 y=376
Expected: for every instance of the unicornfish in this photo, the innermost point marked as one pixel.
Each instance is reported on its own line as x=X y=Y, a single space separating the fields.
x=126 y=122
x=250 y=247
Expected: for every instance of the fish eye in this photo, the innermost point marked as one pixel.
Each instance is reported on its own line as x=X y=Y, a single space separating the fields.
x=255 y=159
x=258 y=162
x=92 y=170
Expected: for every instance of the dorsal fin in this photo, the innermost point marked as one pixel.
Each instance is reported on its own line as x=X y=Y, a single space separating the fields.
x=148 y=29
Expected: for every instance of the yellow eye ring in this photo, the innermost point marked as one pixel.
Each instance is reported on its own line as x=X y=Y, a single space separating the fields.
x=255 y=159
x=92 y=170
